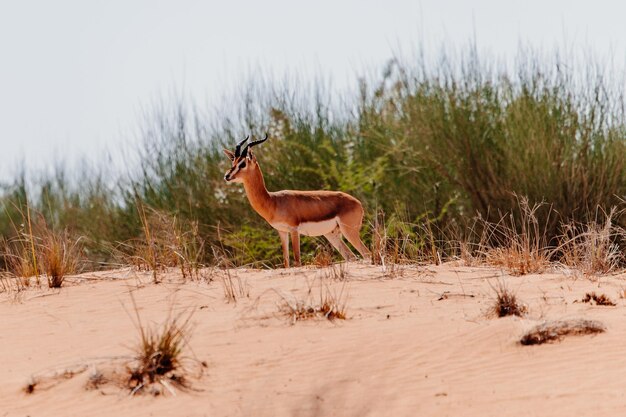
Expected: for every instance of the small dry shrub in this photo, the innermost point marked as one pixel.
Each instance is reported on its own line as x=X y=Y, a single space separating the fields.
x=329 y=304
x=466 y=254
x=19 y=253
x=600 y=300
x=392 y=245
x=592 y=248
x=336 y=272
x=11 y=284
x=331 y=310
x=159 y=354
x=166 y=243
x=19 y=259
x=472 y=242
x=60 y=256
x=506 y=302
x=556 y=330
x=379 y=239
x=190 y=249
x=53 y=253
x=517 y=260
x=234 y=287
x=301 y=310
x=518 y=244
x=323 y=256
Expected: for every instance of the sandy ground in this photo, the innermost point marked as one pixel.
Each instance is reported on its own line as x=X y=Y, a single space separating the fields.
x=419 y=343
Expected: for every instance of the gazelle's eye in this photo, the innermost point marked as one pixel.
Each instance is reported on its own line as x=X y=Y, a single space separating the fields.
x=242 y=165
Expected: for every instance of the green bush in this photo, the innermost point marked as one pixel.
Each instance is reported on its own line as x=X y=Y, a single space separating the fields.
x=435 y=144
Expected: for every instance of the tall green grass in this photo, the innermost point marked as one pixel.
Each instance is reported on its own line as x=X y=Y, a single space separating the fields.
x=434 y=142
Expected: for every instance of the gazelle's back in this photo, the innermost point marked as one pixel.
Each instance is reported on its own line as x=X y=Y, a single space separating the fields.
x=314 y=206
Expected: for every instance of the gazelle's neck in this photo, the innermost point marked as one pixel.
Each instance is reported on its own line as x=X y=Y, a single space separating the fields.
x=258 y=196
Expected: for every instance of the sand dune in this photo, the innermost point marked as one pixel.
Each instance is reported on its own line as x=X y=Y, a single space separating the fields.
x=419 y=343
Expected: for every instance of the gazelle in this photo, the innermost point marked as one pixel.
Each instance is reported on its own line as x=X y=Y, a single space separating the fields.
x=311 y=213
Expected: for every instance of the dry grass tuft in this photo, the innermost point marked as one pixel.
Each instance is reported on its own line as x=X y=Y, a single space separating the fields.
x=390 y=243
x=301 y=310
x=600 y=300
x=466 y=254
x=323 y=256
x=556 y=330
x=19 y=260
x=379 y=239
x=158 y=355
x=330 y=304
x=189 y=248
x=506 y=302
x=336 y=272
x=19 y=253
x=592 y=248
x=11 y=284
x=520 y=252
x=166 y=243
x=517 y=260
x=60 y=256
x=37 y=248
x=55 y=254
x=234 y=287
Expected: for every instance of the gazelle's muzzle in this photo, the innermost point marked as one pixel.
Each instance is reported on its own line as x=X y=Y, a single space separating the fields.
x=231 y=174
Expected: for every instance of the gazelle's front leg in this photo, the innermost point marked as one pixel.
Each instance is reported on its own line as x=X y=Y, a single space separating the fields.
x=295 y=242
x=284 y=239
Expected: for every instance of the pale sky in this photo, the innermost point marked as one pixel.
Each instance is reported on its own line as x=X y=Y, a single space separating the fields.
x=74 y=75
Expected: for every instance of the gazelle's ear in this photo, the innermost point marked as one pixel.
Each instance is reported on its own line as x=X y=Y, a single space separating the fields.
x=229 y=154
x=251 y=156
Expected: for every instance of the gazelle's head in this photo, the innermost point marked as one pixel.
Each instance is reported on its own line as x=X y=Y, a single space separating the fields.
x=243 y=160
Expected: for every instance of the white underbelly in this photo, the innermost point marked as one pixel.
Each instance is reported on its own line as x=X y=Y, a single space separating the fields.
x=309 y=228
x=318 y=228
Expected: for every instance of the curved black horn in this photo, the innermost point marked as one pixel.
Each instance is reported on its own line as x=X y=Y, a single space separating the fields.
x=257 y=142
x=238 y=147
x=244 y=151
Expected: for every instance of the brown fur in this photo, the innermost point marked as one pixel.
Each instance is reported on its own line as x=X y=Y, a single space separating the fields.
x=313 y=206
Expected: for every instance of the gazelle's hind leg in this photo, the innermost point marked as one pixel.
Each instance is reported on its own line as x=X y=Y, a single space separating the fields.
x=334 y=238
x=350 y=226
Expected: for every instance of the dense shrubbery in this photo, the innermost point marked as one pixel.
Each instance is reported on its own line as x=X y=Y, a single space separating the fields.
x=434 y=145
